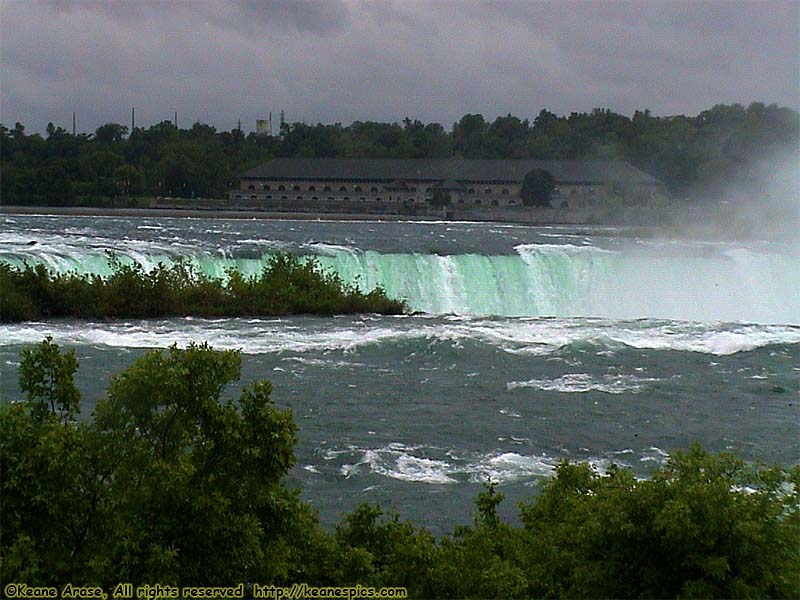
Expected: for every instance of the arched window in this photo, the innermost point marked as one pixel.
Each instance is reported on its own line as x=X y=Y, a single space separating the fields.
x=358 y=188
x=269 y=197
x=312 y=188
x=512 y=202
x=374 y=190
x=347 y=198
x=505 y=192
x=411 y=200
x=487 y=190
x=251 y=187
x=363 y=199
x=296 y=188
x=252 y=196
x=377 y=200
x=265 y=187
x=315 y=198
x=299 y=197
x=327 y=188
x=343 y=189
x=283 y=197
x=330 y=197
x=238 y=195
x=281 y=188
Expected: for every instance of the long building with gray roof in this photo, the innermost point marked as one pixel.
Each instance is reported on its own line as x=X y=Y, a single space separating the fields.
x=409 y=182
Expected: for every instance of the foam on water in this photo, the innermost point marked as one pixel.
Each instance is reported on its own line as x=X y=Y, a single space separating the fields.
x=583 y=382
x=535 y=337
x=436 y=466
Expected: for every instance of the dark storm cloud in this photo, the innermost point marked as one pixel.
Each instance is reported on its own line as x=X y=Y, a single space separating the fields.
x=340 y=60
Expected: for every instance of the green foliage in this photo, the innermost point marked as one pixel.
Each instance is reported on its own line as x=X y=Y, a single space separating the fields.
x=169 y=483
x=286 y=285
x=704 y=525
x=440 y=198
x=537 y=188
x=173 y=482
x=723 y=145
x=46 y=377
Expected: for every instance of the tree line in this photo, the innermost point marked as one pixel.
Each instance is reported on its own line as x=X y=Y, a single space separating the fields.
x=172 y=482
x=694 y=156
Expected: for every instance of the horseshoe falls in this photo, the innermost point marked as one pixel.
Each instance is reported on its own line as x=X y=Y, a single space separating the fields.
x=566 y=281
x=526 y=346
x=536 y=280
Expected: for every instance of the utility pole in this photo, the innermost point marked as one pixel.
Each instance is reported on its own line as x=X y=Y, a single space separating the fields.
x=176 y=119
x=73 y=123
x=133 y=118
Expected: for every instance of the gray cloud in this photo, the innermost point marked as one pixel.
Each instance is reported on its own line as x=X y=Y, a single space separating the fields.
x=340 y=60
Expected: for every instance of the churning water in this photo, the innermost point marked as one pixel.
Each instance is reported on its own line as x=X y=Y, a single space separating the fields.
x=530 y=345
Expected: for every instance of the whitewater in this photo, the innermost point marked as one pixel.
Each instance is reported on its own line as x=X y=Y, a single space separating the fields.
x=526 y=346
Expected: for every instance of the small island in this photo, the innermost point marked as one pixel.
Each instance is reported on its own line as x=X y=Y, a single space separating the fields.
x=287 y=285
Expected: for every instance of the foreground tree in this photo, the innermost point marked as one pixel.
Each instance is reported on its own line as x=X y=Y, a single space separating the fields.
x=170 y=482
x=702 y=526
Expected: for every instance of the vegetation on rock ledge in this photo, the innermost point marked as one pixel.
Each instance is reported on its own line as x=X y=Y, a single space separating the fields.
x=286 y=285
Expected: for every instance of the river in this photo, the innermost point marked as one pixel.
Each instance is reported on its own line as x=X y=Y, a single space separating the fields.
x=528 y=345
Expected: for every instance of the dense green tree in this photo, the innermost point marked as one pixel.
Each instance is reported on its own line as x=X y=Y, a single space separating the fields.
x=169 y=483
x=440 y=198
x=507 y=137
x=537 y=188
x=469 y=136
x=46 y=377
x=110 y=133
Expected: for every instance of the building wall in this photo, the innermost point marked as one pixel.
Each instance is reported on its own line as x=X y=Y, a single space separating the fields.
x=477 y=194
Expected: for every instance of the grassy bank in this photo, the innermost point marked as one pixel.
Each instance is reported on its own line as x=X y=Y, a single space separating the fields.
x=287 y=285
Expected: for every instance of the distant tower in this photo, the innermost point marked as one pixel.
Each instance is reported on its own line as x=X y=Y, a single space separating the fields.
x=133 y=118
x=239 y=125
x=176 y=119
x=73 y=122
x=283 y=124
x=263 y=127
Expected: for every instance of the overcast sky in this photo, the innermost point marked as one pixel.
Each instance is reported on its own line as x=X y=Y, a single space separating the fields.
x=344 y=60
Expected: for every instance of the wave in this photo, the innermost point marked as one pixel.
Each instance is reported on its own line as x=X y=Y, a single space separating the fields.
x=437 y=466
x=526 y=336
x=583 y=382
